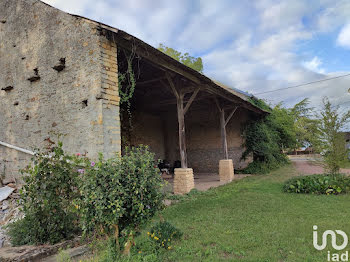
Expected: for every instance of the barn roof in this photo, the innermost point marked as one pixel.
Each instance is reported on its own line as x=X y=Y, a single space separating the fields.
x=147 y=51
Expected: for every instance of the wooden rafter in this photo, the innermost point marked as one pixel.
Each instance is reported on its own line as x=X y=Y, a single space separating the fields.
x=142 y=50
x=173 y=101
x=172 y=85
x=230 y=116
x=217 y=103
x=165 y=64
x=193 y=96
x=151 y=81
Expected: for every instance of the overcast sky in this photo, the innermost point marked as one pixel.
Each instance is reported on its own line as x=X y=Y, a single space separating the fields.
x=251 y=45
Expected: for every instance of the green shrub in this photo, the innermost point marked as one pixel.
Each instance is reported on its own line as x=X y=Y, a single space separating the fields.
x=266 y=139
x=110 y=251
x=257 y=167
x=47 y=196
x=144 y=251
x=66 y=194
x=120 y=194
x=63 y=256
x=163 y=233
x=329 y=184
x=22 y=232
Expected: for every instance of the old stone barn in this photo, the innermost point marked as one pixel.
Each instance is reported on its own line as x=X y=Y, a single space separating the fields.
x=59 y=75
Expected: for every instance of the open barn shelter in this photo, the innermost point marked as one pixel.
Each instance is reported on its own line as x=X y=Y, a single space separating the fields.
x=62 y=73
x=182 y=115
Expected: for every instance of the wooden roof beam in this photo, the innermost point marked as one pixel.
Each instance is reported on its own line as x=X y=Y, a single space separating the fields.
x=124 y=42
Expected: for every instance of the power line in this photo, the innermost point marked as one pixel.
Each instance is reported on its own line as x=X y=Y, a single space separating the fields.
x=309 y=83
x=342 y=103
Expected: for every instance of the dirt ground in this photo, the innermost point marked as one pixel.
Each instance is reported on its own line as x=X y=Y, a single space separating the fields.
x=202 y=181
x=309 y=166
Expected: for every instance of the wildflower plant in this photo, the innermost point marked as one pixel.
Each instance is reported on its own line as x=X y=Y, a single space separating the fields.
x=163 y=234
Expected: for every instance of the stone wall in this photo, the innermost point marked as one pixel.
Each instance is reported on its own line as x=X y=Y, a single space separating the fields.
x=148 y=130
x=80 y=102
x=110 y=98
x=203 y=139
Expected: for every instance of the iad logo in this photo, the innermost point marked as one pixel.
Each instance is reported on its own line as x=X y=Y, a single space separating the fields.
x=334 y=256
x=333 y=237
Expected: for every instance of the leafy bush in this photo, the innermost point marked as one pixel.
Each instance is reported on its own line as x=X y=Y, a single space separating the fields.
x=47 y=196
x=163 y=233
x=107 y=251
x=265 y=140
x=21 y=232
x=257 y=167
x=329 y=184
x=120 y=194
x=66 y=194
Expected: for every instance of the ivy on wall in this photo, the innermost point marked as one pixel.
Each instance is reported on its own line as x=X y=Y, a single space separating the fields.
x=127 y=81
x=127 y=76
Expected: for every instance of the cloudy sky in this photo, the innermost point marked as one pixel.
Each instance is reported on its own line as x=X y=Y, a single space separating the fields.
x=255 y=45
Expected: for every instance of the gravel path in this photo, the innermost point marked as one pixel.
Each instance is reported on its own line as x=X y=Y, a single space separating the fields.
x=308 y=167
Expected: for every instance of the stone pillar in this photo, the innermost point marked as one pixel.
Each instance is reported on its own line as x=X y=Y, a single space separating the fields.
x=183 y=180
x=226 y=172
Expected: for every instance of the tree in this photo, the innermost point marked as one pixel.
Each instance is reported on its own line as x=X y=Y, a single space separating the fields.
x=190 y=61
x=266 y=139
x=332 y=140
x=307 y=134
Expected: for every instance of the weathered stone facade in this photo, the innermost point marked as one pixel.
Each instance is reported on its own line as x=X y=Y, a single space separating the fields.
x=59 y=75
x=36 y=101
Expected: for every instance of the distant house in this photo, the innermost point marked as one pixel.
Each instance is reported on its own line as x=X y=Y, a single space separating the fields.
x=59 y=74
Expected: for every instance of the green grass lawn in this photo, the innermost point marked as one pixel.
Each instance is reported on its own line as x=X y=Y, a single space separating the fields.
x=253 y=220
x=345 y=164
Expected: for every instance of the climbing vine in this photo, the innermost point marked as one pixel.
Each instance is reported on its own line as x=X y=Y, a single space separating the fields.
x=127 y=80
x=127 y=77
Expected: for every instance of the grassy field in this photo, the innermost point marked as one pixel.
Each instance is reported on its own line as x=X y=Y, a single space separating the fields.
x=345 y=164
x=252 y=220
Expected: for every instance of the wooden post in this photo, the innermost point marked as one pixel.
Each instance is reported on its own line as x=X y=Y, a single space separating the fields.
x=223 y=123
x=182 y=134
x=181 y=111
x=223 y=133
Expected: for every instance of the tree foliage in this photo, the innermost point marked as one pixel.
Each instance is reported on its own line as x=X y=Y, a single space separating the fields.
x=306 y=125
x=190 y=61
x=332 y=140
x=266 y=139
x=291 y=128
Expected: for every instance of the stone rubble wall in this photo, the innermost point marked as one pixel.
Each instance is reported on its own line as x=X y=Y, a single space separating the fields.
x=79 y=102
x=203 y=137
